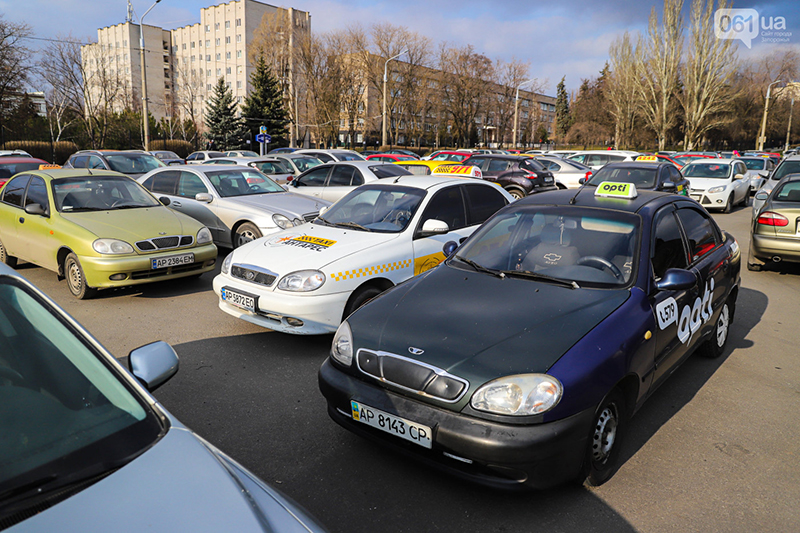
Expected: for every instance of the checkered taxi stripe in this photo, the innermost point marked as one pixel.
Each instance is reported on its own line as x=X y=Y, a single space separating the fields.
x=371 y=271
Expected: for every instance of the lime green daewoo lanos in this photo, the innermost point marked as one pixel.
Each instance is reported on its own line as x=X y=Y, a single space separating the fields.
x=98 y=229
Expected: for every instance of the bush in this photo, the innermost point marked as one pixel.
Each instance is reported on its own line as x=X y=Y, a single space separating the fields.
x=179 y=146
x=45 y=150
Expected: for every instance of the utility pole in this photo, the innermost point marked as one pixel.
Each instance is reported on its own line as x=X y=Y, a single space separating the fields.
x=794 y=86
x=516 y=111
x=762 y=138
x=145 y=113
x=385 y=79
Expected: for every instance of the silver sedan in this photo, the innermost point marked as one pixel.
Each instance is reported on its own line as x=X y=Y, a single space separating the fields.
x=272 y=167
x=238 y=204
x=566 y=172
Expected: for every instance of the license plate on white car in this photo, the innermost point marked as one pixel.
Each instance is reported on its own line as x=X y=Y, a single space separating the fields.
x=171 y=261
x=240 y=299
x=400 y=427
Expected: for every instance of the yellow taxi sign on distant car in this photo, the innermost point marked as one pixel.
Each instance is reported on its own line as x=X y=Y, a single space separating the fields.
x=647 y=158
x=45 y=167
x=421 y=168
x=611 y=189
x=459 y=170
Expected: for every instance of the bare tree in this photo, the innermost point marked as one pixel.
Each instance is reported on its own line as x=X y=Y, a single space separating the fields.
x=189 y=83
x=658 y=57
x=414 y=97
x=621 y=90
x=502 y=102
x=13 y=64
x=465 y=78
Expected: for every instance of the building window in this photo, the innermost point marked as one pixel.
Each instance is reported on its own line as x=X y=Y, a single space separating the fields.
x=192 y=44
x=238 y=85
x=208 y=73
x=219 y=57
x=219 y=72
x=228 y=39
x=125 y=44
x=208 y=28
x=227 y=55
x=239 y=70
x=208 y=86
x=227 y=24
x=216 y=41
x=228 y=84
x=238 y=22
x=183 y=46
x=216 y=26
x=228 y=70
x=239 y=38
x=208 y=43
x=192 y=59
x=238 y=53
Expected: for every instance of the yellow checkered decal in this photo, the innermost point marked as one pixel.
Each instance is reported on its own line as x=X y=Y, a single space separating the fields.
x=371 y=271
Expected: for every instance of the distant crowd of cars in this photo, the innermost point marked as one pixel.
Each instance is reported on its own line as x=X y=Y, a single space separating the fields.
x=596 y=274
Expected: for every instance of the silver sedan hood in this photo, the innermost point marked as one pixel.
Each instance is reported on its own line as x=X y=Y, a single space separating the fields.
x=286 y=203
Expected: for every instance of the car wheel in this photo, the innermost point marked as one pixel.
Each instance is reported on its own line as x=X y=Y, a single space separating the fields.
x=728 y=204
x=714 y=346
x=245 y=233
x=745 y=198
x=516 y=193
x=359 y=298
x=5 y=258
x=605 y=439
x=76 y=281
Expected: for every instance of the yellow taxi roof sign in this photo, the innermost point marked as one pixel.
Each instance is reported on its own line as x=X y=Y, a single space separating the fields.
x=647 y=158
x=612 y=189
x=459 y=170
x=45 y=167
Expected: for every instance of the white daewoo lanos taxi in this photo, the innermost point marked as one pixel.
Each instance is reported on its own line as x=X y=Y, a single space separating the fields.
x=306 y=280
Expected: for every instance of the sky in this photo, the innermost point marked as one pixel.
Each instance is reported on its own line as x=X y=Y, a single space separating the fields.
x=569 y=38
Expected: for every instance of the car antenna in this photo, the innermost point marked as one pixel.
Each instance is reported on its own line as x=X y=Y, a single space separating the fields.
x=572 y=200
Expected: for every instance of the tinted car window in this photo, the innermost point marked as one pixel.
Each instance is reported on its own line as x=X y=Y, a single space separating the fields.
x=482 y=203
x=133 y=163
x=164 y=182
x=480 y=162
x=96 y=162
x=755 y=164
x=498 y=165
x=614 y=158
x=304 y=163
x=699 y=231
x=14 y=189
x=190 y=185
x=325 y=158
x=668 y=251
x=788 y=192
x=389 y=171
x=448 y=206
x=9 y=169
x=37 y=193
x=315 y=178
x=341 y=176
x=272 y=167
x=596 y=159
x=785 y=168
x=674 y=174
x=532 y=164
x=80 y=161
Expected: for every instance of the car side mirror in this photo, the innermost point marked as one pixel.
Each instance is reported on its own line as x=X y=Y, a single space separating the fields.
x=762 y=195
x=164 y=200
x=676 y=279
x=668 y=186
x=433 y=227
x=738 y=177
x=153 y=364
x=582 y=181
x=449 y=248
x=203 y=197
x=322 y=210
x=35 y=209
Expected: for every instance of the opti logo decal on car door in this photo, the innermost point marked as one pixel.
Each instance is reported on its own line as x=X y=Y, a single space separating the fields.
x=691 y=318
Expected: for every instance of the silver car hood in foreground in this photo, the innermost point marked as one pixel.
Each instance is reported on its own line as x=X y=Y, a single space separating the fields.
x=288 y=203
x=182 y=483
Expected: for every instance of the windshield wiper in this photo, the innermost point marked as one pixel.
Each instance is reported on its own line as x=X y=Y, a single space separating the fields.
x=136 y=206
x=542 y=277
x=480 y=268
x=327 y=223
x=351 y=225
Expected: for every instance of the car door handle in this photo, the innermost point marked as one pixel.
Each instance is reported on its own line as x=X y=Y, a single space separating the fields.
x=177 y=204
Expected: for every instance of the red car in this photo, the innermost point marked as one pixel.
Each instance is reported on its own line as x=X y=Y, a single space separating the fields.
x=449 y=155
x=390 y=158
x=14 y=165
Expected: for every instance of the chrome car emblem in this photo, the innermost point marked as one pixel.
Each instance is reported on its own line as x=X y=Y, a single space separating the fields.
x=250 y=275
x=162 y=232
x=415 y=351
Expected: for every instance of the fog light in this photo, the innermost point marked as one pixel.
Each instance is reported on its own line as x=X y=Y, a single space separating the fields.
x=296 y=322
x=210 y=262
x=117 y=277
x=719 y=201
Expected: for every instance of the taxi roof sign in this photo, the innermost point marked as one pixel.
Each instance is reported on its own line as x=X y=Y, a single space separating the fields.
x=612 y=189
x=459 y=170
x=647 y=158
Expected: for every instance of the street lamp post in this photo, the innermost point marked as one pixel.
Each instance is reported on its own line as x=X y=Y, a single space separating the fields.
x=145 y=114
x=795 y=87
x=385 y=79
x=516 y=111
x=762 y=137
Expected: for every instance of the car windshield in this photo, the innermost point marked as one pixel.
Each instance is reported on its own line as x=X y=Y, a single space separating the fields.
x=67 y=416
x=707 y=170
x=389 y=171
x=100 y=193
x=272 y=167
x=133 y=163
x=786 y=168
x=643 y=178
x=379 y=208
x=239 y=182
x=754 y=164
x=304 y=163
x=788 y=192
x=593 y=247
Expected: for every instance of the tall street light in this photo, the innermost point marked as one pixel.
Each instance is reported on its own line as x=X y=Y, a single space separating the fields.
x=145 y=113
x=385 y=79
x=516 y=110
x=762 y=137
x=795 y=88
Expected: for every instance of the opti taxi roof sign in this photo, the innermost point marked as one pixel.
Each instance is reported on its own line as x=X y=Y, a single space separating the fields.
x=461 y=170
x=611 y=189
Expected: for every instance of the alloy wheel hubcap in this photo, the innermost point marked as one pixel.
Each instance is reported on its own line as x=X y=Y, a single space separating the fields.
x=605 y=433
x=74 y=276
x=245 y=237
x=722 y=326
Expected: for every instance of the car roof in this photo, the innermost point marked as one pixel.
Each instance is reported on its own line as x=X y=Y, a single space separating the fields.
x=509 y=157
x=56 y=173
x=639 y=164
x=585 y=197
x=425 y=181
x=717 y=160
x=22 y=159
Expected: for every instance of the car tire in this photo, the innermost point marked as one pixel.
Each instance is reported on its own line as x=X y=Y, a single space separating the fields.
x=6 y=259
x=605 y=439
x=516 y=193
x=728 y=204
x=745 y=198
x=359 y=298
x=715 y=345
x=245 y=233
x=753 y=264
x=76 y=281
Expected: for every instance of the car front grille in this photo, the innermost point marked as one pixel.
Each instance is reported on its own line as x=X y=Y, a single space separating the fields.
x=411 y=375
x=253 y=274
x=164 y=243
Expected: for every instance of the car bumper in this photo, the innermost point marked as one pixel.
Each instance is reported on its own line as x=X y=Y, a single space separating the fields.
x=767 y=246
x=137 y=269
x=711 y=201
x=320 y=313
x=489 y=453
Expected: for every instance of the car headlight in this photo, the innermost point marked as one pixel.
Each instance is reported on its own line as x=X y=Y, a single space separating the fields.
x=203 y=236
x=226 y=265
x=520 y=395
x=298 y=222
x=713 y=190
x=282 y=222
x=302 y=281
x=112 y=246
x=342 y=347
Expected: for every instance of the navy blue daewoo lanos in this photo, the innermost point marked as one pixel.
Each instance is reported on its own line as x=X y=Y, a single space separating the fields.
x=521 y=358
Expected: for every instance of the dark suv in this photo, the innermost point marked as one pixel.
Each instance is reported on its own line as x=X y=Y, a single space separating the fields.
x=132 y=163
x=518 y=175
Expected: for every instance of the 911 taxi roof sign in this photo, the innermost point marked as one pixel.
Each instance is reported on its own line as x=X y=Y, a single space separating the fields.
x=611 y=189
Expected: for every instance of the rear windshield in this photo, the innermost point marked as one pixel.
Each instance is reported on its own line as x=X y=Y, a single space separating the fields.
x=9 y=169
x=754 y=164
x=133 y=163
x=389 y=171
x=788 y=192
x=304 y=163
x=236 y=182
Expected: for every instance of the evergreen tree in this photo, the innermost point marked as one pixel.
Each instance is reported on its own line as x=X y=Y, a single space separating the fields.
x=225 y=129
x=563 y=119
x=264 y=105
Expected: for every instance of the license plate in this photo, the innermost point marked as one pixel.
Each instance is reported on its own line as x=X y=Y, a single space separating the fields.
x=696 y=196
x=171 y=261
x=548 y=180
x=401 y=427
x=240 y=299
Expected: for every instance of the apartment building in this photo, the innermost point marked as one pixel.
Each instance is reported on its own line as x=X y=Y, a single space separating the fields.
x=183 y=64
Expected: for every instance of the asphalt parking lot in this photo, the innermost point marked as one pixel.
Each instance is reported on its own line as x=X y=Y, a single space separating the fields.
x=715 y=448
